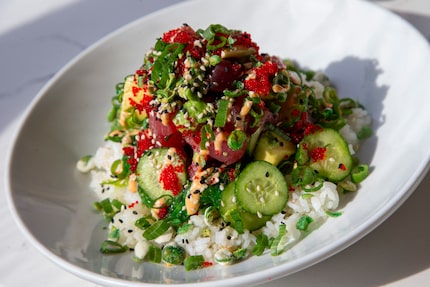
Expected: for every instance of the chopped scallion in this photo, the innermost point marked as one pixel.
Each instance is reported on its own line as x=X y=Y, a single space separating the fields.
x=194 y=262
x=155 y=230
x=303 y=222
x=112 y=247
x=359 y=173
x=221 y=116
x=236 y=139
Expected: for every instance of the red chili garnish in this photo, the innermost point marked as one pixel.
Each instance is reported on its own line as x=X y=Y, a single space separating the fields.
x=207 y=264
x=342 y=166
x=131 y=205
x=318 y=153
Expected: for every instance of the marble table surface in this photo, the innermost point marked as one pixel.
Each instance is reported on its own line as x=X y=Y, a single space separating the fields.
x=38 y=37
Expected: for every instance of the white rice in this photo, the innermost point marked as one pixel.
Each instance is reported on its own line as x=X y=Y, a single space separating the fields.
x=216 y=240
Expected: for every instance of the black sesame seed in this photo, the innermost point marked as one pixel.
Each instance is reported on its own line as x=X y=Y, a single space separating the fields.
x=186 y=240
x=228 y=237
x=267 y=174
x=120 y=220
x=135 y=212
x=130 y=230
x=169 y=157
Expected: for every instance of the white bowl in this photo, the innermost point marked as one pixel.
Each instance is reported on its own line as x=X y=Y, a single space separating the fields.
x=369 y=53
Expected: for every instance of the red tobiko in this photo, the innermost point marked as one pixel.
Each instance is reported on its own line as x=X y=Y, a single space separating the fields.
x=260 y=81
x=183 y=35
x=318 y=153
x=169 y=178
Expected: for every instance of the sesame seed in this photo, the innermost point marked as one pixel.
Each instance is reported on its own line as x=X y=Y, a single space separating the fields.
x=228 y=237
x=267 y=174
x=130 y=230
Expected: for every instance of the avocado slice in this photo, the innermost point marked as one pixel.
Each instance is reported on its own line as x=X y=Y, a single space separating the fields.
x=273 y=147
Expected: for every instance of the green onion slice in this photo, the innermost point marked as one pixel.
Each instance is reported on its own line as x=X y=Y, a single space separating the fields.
x=154 y=254
x=221 y=116
x=236 y=139
x=155 y=230
x=262 y=242
x=278 y=245
x=303 y=222
x=194 y=262
x=359 y=173
x=112 y=247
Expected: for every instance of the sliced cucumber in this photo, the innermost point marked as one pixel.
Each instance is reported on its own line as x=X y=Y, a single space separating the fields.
x=151 y=166
x=261 y=189
x=326 y=152
x=229 y=205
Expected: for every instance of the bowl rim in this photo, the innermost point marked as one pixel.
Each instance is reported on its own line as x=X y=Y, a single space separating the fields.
x=271 y=273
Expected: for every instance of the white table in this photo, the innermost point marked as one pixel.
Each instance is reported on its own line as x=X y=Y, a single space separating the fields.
x=38 y=37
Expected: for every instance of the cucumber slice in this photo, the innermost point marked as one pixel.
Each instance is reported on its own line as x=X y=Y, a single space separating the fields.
x=150 y=168
x=326 y=152
x=229 y=205
x=261 y=189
